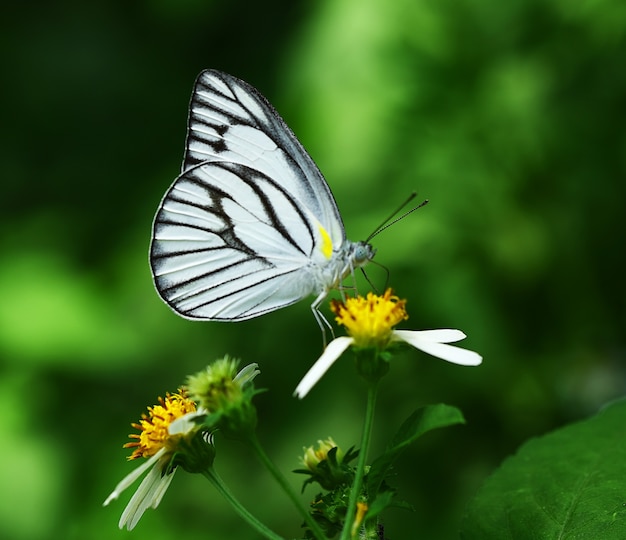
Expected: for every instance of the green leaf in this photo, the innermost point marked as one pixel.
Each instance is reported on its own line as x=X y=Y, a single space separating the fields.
x=382 y=501
x=420 y=422
x=569 y=484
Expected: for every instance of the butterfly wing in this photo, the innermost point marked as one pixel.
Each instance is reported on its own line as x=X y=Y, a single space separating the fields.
x=238 y=230
x=229 y=120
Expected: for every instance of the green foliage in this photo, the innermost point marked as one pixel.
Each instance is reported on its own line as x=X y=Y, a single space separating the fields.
x=505 y=115
x=331 y=473
x=329 y=508
x=421 y=421
x=569 y=484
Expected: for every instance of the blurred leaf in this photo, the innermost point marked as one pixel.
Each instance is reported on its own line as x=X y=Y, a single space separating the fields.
x=568 y=484
x=55 y=314
x=422 y=421
x=32 y=463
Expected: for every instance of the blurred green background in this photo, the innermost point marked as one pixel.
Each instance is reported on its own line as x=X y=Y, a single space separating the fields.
x=508 y=116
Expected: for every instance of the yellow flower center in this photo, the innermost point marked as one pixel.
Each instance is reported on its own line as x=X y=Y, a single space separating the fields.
x=154 y=425
x=370 y=320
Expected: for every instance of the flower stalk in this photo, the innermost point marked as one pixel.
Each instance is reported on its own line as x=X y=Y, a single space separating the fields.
x=286 y=487
x=211 y=475
x=347 y=532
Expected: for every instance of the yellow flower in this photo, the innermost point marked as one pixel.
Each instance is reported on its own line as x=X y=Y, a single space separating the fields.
x=370 y=322
x=154 y=425
x=166 y=430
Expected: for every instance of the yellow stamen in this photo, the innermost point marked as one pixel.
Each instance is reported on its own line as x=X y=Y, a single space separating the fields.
x=327 y=243
x=370 y=320
x=154 y=425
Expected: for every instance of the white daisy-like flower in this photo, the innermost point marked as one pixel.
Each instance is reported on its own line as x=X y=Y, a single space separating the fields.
x=370 y=322
x=162 y=430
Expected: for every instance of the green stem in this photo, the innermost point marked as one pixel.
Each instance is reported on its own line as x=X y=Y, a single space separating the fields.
x=217 y=482
x=282 y=481
x=372 y=392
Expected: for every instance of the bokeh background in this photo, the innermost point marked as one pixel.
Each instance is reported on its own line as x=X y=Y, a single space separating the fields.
x=508 y=116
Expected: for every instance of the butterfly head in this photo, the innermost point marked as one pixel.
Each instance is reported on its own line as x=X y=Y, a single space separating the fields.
x=362 y=253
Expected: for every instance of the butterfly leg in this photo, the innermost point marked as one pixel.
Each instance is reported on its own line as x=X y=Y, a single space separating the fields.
x=319 y=317
x=352 y=288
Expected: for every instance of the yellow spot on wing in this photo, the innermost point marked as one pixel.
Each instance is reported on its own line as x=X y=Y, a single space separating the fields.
x=327 y=243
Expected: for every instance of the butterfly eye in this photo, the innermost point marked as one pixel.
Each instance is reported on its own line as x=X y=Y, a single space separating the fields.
x=363 y=253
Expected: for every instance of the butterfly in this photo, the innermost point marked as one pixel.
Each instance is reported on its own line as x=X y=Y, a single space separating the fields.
x=250 y=225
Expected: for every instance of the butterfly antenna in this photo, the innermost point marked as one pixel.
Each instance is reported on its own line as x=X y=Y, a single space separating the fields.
x=367 y=278
x=388 y=221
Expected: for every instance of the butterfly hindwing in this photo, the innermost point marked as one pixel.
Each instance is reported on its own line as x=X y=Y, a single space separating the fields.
x=229 y=243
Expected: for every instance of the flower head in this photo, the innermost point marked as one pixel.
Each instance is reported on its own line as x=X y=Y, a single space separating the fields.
x=327 y=464
x=369 y=322
x=154 y=426
x=314 y=456
x=227 y=396
x=168 y=437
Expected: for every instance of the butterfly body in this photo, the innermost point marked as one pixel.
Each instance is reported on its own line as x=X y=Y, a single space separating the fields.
x=250 y=225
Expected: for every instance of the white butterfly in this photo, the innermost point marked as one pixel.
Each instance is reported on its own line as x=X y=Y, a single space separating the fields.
x=250 y=225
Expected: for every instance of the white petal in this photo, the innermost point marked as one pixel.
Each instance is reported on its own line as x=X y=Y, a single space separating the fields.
x=148 y=494
x=162 y=488
x=334 y=350
x=439 y=336
x=450 y=353
x=247 y=374
x=130 y=478
x=185 y=423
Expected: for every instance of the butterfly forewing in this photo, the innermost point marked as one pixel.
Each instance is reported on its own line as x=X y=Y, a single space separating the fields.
x=229 y=120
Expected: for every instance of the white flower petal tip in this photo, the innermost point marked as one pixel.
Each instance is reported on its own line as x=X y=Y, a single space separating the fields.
x=111 y=497
x=247 y=374
x=129 y=479
x=435 y=343
x=455 y=355
x=439 y=336
x=332 y=352
x=148 y=495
